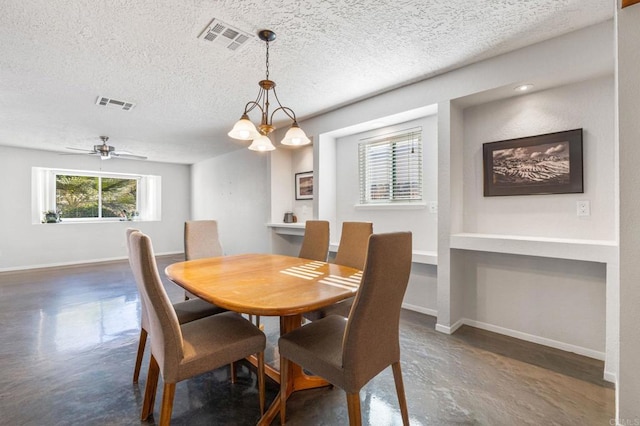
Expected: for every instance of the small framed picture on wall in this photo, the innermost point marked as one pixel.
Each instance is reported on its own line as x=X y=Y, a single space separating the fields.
x=304 y=186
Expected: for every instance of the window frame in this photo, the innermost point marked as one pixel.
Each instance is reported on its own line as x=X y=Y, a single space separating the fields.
x=364 y=170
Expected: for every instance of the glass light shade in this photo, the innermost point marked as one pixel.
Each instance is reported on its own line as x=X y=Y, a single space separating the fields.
x=295 y=136
x=262 y=143
x=244 y=130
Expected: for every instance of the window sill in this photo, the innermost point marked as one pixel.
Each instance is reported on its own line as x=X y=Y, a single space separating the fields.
x=391 y=206
x=82 y=222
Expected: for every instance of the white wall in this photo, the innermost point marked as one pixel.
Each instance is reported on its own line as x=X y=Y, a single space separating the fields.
x=628 y=27
x=27 y=245
x=588 y=105
x=234 y=189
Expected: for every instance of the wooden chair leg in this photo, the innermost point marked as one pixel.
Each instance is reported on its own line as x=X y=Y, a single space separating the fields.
x=150 y=389
x=261 y=384
x=167 y=403
x=141 y=344
x=284 y=377
x=397 y=377
x=233 y=372
x=353 y=405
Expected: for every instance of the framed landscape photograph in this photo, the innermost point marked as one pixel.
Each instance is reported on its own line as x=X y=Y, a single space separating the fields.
x=304 y=186
x=543 y=164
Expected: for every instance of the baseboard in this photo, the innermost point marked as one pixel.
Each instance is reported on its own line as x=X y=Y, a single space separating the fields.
x=77 y=262
x=420 y=309
x=450 y=329
x=536 y=339
x=611 y=377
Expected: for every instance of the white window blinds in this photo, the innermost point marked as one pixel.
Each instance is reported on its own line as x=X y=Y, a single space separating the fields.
x=391 y=168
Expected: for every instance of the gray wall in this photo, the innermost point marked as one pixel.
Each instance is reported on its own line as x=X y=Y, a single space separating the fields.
x=27 y=245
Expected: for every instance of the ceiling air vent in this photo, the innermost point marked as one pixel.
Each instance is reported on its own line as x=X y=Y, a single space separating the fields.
x=114 y=103
x=225 y=36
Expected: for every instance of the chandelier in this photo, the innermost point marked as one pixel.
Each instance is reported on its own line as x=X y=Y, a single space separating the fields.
x=245 y=130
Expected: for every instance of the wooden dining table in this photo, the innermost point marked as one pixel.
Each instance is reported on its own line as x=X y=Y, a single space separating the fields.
x=269 y=285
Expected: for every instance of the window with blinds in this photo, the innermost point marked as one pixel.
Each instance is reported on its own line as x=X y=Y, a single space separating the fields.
x=391 y=168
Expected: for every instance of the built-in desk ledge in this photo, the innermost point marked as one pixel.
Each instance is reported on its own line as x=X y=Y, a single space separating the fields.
x=419 y=256
x=604 y=251
x=296 y=228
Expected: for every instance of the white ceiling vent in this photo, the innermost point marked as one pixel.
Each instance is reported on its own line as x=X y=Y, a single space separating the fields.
x=225 y=36
x=114 y=103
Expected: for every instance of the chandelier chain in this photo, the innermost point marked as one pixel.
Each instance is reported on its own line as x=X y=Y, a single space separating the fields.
x=267 y=60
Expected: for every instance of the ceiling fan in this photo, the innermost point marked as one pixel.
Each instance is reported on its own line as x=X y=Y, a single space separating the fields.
x=107 y=151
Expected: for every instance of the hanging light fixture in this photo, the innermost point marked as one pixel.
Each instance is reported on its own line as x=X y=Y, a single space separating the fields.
x=245 y=130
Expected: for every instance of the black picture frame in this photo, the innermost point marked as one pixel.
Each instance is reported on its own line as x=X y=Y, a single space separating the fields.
x=533 y=165
x=304 y=186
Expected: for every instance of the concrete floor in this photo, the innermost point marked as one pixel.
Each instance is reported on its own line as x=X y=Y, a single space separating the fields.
x=68 y=338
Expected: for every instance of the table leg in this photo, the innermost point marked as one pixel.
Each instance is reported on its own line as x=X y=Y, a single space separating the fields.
x=297 y=379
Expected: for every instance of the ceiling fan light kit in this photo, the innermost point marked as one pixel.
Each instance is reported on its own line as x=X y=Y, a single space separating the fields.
x=245 y=130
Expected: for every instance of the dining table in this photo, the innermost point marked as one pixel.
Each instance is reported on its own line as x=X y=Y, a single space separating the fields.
x=269 y=285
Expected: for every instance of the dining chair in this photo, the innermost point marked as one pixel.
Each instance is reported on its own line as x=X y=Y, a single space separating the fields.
x=350 y=352
x=182 y=351
x=201 y=239
x=352 y=252
x=189 y=310
x=315 y=244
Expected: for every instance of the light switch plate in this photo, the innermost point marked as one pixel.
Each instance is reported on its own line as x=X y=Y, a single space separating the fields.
x=433 y=207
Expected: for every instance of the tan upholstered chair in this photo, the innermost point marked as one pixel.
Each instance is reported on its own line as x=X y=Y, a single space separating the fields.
x=352 y=252
x=201 y=240
x=315 y=244
x=181 y=351
x=350 y=352
x=186 y=311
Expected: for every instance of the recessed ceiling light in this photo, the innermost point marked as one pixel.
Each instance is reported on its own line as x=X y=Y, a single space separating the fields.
x=523 y=88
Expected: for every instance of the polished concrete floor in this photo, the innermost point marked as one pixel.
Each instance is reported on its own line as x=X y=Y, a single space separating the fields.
x=68 y=339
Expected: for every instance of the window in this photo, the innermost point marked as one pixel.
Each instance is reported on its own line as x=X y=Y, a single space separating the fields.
x=391 y=168
x=85 y=196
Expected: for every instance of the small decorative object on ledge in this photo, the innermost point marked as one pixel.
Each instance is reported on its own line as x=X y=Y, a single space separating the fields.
x=51 y=216
x=304 y=186
x=543 y=164
x=128 y=215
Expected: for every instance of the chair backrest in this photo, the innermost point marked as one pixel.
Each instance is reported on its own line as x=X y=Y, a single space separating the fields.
x=352 y=250
x=201 y=239
x=371 y=338
x=166 y=336
x=315 y=244
x=144 y=320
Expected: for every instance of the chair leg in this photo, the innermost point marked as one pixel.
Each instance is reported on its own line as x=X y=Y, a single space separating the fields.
x=353 y=405
x=284 y=377
x=232 y=372
x=141 y=344
x=261 y=391
x=150 y=389
x=397 y=377
x=167 y=403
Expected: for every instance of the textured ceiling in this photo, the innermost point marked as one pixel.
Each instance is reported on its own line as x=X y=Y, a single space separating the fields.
x=57 y=56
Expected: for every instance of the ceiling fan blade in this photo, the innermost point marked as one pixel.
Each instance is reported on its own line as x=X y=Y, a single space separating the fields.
x=127 y=155
x=81 y=149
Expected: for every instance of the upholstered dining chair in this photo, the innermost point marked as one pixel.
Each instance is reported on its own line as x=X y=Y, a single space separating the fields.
x=315 y=244
x=201 y=239
x=181 y=351
x=352 y=252
x=186 y=311
x=350 y=352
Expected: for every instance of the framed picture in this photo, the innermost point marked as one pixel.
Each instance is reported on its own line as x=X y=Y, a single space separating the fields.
x=543 y=164
x=304 y=186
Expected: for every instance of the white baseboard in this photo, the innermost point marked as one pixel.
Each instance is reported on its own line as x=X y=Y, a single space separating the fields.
x=450 y=329
x=421 y=309
x=536 y=339
x=611 y=377
x=73 y=263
